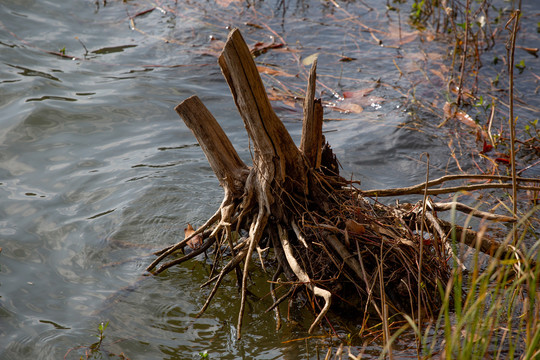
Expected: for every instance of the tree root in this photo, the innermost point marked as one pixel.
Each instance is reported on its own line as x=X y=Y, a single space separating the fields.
x=226 y=269
x=304 y=278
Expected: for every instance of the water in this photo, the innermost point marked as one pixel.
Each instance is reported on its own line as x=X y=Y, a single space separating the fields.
x=97 y=170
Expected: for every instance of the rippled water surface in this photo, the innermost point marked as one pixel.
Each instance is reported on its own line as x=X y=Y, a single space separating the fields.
x=97 y=170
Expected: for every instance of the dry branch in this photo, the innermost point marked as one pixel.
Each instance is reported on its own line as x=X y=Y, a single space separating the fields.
x=419 y=188
x=223 y=158
x=472 y=211
x=484 y=243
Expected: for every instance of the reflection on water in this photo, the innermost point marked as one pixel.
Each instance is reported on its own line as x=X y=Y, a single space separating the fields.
x=97 y=170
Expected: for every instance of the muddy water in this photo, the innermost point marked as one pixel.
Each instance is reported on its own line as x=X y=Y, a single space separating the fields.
x=97 y=170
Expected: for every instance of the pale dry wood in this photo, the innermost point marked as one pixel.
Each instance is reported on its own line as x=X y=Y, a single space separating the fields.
x=275 y=153
x=483 y=243
x=419 y=188
x=277 y=163
x=472 y=211
x=349 y=258
x=311 y=141
x=255 y=233
x=304 y=278
x=432 y=220
x=223 y=158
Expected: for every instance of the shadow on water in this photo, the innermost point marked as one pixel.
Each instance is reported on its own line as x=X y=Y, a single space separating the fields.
x=97 y=170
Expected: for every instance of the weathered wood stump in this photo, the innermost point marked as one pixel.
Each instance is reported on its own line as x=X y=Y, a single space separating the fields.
x=323 y=234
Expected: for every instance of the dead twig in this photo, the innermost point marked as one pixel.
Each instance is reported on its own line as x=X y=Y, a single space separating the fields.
x=419 y=189
x=472 y=211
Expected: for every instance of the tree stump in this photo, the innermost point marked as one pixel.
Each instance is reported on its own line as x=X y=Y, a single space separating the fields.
x=323 y=234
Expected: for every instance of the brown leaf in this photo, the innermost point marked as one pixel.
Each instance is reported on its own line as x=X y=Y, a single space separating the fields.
x=355 y=101
x=197 y=241
x=357 y=93
x=270 y=71
x=346 y=59
x=464 y=118
x=348 y=108
x=226 y=3
x=254 y=25
x=438 y=74
x=261 y=48
x=395 y=37
x=354 y=227
x=466 y=93
x=214 y=49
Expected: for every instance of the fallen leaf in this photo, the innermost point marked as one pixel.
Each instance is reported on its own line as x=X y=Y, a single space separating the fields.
x=214 y=49
x=406 y=242
x=225 y=3
x=465 y=92
x=270 y=71
x=438 y=74
x=435 y=56
x=197 y=241
x=397 y=37
x=143 y=12
x=464 y=118
x=503 y=160
x=355 y=101
x=348 y=108
x=486 y=148
x=254 y=25
x=261 y=48
x=357 y=93
x=354 y=227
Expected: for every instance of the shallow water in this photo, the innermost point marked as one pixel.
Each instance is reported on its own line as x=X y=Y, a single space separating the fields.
x=97 y=170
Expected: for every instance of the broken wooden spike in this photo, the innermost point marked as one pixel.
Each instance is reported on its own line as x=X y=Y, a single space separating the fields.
x=311 y=142
x=223 y=158
x=271 y=140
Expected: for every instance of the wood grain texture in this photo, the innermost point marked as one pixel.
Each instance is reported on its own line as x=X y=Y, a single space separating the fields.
x=272 y=143
x=311 y=142
x=230 y=170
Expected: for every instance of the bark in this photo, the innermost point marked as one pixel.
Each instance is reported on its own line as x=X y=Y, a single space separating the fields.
x=223 y=158
x=311 y=143
x=275 y=154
